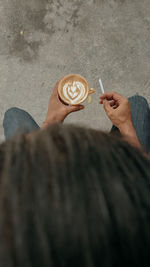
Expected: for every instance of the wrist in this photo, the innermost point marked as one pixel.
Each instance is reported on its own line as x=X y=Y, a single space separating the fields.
x=129 y=133
x=50 y=120
x=127 y=129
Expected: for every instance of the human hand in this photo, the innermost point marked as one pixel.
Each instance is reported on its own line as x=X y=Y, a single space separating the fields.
x=117 y=109
x=57 y=109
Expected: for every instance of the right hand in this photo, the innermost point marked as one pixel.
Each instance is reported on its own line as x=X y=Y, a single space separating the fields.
x=117 y=109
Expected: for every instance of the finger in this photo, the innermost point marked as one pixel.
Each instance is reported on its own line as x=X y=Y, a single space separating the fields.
x=112 y=103
x=110 y=96
x=75 y=108
x=115 y=106
x=107 y=107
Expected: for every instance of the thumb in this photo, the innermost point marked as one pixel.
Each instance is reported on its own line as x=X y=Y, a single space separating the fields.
x=75 y=108
x=107 y=107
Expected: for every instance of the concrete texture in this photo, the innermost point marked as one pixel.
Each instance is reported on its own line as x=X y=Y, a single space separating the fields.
x=42 y=40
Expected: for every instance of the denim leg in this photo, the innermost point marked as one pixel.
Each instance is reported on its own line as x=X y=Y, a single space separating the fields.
x=18 y=119
x=140 y=113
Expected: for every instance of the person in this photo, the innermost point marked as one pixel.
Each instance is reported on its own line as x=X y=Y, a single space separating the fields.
x=130 y=117
x=74 y=196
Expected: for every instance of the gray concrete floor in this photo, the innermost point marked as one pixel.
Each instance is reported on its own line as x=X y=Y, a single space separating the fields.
x=95 y=38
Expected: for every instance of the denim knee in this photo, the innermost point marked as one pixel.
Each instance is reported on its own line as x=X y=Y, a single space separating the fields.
x=10 y=111
x=138 y=99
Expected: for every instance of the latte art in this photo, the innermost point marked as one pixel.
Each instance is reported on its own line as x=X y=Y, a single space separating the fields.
x=74 y=91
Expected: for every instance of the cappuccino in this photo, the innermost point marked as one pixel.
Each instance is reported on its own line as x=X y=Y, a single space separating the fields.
x=73 y=89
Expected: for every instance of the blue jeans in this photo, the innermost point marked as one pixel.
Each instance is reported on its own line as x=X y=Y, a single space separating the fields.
x=18 y=119
x=15 y=119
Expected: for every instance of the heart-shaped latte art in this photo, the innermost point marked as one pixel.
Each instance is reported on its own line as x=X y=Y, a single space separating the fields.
x=74 y=91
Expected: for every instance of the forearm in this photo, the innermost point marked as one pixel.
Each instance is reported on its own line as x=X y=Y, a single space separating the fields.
x=129 y=134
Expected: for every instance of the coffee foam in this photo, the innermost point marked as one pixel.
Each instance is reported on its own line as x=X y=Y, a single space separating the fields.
x=74 y=91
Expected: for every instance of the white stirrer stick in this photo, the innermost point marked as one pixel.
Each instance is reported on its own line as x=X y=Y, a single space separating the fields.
x=101 y=86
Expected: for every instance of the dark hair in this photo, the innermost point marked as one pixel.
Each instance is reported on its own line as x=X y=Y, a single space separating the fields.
x=71 y=197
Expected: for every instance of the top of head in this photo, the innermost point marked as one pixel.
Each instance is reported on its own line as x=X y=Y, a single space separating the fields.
x=73 y=89
x=88 y=198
